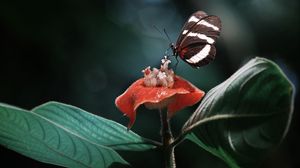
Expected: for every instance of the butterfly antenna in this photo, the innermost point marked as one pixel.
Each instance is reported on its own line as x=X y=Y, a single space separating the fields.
x=158 y=30
x=167 y=51
x=176 y=57
x=167 y=35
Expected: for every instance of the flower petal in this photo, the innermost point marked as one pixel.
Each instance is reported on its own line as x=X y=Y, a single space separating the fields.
x=138 y=94
x=183 y=100
x=126 y=101
x=182 y=94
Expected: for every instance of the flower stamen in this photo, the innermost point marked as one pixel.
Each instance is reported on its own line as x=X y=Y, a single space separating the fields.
x=159 y=77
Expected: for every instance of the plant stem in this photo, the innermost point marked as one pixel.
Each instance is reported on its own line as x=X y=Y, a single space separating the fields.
x=167 y=139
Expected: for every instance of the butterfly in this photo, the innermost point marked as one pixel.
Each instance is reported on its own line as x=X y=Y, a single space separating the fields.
x=195 y=44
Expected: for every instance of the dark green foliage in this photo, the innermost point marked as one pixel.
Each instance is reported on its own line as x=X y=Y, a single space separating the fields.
x=65 y=135
x=244 y=117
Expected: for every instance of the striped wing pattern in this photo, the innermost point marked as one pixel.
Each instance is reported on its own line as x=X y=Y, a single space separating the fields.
x=195 y=45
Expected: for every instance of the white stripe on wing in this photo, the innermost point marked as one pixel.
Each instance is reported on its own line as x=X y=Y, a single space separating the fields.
x=205 y=23
x=200 y=55
x=201 y=36
x=193 y=19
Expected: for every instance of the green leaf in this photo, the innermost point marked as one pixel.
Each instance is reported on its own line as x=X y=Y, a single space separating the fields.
x=44 y=140
x=94 y=128
x=243 y=118
x=218 y=152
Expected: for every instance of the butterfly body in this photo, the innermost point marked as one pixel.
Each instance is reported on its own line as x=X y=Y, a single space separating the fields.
x=195 y=44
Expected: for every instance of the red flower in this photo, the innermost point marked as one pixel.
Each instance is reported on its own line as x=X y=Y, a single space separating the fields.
x=158 y=89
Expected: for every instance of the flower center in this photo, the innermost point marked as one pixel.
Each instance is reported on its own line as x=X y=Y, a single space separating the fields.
x=159 y=77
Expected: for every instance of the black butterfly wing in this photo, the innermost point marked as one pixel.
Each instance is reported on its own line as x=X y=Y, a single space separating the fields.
x=198 y=55
x=195 y=45
x=206 y=30
x=194 y=18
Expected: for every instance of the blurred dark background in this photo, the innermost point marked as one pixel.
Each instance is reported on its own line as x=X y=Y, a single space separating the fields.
x=86 y=53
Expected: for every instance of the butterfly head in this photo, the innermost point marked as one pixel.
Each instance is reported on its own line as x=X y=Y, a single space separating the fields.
x=174 y=49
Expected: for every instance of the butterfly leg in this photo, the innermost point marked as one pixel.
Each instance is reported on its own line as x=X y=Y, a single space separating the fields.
x=175 y=67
